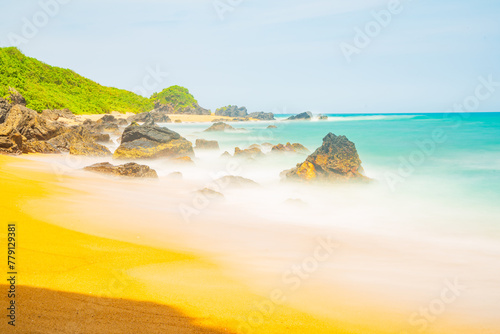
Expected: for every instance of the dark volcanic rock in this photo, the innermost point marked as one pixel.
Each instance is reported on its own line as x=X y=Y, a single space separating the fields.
x=263 y=116
x=16 y=98
x=107 y=119
x=305 y=116
x=203 y=144
x=131 y=169
x=11 y=144
x=77 y=140
x=4 y=109
x=152 y=141
x=232 y=111
x=156 y=115
x=101 y=137
x=336 y=160
x=219 y=126
x=171 y=109
x=111 y=128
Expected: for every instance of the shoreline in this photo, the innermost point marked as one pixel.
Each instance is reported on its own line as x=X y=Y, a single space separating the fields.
x=184 y=118
x=74 y=249
x=56 y=258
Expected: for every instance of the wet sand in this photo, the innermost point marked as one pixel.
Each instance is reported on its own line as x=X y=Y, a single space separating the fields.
x=106 y=237
x=57 y=265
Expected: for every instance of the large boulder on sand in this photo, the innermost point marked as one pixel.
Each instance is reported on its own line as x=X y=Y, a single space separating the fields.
x=20 y=124
x=336 y=160
x=305 y=116
x=29 y=124
x=131 y=169
x=219 y=126
x=77 y=140
x=150 y=141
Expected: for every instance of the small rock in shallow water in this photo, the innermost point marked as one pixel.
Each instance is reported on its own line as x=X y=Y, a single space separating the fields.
x=131 y=169
x=210 y=194
x=202 y=144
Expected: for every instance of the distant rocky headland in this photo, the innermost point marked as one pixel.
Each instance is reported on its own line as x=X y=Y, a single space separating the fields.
x=48 y=87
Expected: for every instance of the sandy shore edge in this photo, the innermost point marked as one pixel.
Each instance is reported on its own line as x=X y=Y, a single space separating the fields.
x=52 y=259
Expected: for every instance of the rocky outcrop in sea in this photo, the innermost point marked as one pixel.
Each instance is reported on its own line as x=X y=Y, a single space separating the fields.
x=305 y=116
x=131 y=169
x=336 y=160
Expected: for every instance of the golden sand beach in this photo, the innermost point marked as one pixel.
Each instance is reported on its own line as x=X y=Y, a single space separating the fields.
x=71 y=282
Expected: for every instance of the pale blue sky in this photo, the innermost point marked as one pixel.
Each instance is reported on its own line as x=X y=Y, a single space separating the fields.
x=281 y=55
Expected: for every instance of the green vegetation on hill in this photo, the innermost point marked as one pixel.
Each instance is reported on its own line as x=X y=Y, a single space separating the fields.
x=48 y=87
x=176 y=96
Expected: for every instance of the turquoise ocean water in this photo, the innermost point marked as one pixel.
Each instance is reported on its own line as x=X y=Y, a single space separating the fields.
x=448 y=160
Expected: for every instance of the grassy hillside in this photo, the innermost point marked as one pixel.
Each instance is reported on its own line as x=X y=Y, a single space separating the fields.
x=48 y=87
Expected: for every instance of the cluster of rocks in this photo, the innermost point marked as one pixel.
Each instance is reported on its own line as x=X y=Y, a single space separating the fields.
x=23 y=130
x=255 y=151
x=158 y=116
x=232 y=111
x=241 y=113
x=171 y=109
x=305 y=116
